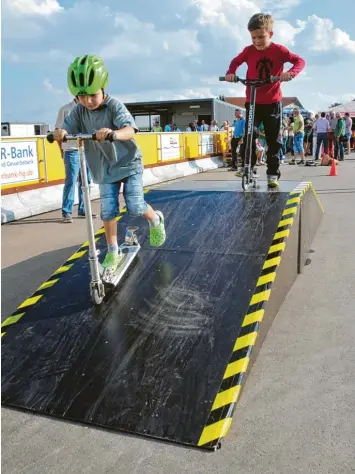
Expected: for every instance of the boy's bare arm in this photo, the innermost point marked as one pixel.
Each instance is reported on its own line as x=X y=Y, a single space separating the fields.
x=125 y=133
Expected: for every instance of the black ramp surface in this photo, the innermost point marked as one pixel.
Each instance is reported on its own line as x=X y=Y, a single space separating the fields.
x=151 y=359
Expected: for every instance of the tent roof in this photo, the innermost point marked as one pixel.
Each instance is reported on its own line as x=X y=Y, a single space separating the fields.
x=347 y=107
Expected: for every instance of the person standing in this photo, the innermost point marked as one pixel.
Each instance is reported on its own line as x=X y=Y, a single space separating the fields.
x=340 y=138
x=238 y=132
x=308 y=134
x=331 y=137
x=156 y=127
x=71 y=159
x=298 y=138
x=321 y=128
x=348 y=127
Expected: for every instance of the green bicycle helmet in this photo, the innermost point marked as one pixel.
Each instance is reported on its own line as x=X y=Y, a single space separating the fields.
x=87 y=75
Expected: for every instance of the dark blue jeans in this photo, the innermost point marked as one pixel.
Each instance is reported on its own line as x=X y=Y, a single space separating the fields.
x=339 y=150
x=322 y=137
x=72 y=177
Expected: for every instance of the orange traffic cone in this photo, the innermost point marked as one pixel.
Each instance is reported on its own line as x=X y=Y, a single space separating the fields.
x=333 y=169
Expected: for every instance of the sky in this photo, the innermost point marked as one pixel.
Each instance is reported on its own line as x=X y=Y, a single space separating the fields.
x=174 y=49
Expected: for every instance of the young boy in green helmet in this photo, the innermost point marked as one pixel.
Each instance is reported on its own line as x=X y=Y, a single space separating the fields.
x=111 y=164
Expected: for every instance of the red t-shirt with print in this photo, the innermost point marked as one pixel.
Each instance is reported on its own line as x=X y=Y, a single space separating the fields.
x=266 y=63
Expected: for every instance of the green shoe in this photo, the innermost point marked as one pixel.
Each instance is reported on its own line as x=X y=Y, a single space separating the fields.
x=111 y=264
x=272 y=182
x=157 y=234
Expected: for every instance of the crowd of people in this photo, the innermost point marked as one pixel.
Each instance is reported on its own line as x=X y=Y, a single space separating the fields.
x=320 y=137
x=192 y=127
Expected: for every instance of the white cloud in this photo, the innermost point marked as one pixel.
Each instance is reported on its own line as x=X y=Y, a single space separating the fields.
x=54 y=90
x=177 y=50
x=331 y=98
x=52 y=56
x=21 y=19
x=227 y=18
x=281 y=8
x=285 y=33
x=321 y=36
x=37 y=7
x=140 y=39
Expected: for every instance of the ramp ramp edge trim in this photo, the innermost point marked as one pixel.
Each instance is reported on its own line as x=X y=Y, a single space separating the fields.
x=220 y=418
x=20 y=312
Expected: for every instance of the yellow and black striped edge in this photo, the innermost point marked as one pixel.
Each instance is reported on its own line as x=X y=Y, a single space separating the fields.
x=220 y=417
x=20 y=312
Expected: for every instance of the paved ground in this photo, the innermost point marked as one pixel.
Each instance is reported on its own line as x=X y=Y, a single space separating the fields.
x=297 y=412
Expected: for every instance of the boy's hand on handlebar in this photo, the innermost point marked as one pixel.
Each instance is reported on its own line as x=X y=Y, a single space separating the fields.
x=285 y=77
x=230 y=77
x=102 y=134
x=59 y=134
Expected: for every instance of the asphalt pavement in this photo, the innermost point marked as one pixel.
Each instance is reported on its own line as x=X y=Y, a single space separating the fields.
x=297 y=412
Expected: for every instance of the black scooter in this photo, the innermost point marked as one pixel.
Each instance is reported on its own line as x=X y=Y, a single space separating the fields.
x=249 y=179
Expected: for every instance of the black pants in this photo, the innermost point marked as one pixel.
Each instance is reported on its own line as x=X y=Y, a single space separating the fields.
x=308 y=138
x=234 y=146
x=271 y=116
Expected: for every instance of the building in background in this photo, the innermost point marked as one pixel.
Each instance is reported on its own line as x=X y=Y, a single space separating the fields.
x=23 y=129
x=181 y=112
x=288 y=102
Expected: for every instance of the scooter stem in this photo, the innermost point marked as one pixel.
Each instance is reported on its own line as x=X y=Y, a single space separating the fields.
x=93 y=259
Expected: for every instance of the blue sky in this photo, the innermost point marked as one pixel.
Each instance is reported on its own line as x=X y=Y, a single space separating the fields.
x=172 y=51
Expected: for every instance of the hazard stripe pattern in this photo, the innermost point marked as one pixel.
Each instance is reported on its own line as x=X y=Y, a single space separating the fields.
x=62 y=271
x=223 y=406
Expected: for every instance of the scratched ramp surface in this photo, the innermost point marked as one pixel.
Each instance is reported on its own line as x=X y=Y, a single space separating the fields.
x=151 y=359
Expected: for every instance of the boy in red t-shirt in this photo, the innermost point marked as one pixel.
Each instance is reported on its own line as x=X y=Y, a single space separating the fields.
x=265 y=59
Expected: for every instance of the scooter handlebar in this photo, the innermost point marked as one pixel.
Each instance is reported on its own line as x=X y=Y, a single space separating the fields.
x=111 y=137
x=251 y=81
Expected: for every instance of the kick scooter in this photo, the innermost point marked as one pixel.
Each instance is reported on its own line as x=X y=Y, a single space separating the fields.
x=249 y=179
x=129 y=248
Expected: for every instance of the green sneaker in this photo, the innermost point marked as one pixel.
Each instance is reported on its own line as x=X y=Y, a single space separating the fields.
x=157 y=234
x=272 y=182
x=111 y=264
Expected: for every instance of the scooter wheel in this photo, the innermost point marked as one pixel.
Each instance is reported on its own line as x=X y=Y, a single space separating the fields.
x=245 y=182
x=96 y=297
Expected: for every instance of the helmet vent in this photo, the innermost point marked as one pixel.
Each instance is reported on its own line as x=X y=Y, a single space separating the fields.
x=91 y=77
x=81 y=79
x=73 y=79
x=83 y=61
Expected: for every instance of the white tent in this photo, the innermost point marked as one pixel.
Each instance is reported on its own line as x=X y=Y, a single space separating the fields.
x=348 y=107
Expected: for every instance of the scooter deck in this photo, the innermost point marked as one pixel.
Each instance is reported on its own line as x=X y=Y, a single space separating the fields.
x=129 y=252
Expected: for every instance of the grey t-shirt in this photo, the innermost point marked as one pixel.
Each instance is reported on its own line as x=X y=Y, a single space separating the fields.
x=333 y=123
x=108 y=162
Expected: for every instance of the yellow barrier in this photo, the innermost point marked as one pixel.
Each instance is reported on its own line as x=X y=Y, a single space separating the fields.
x=33 y=161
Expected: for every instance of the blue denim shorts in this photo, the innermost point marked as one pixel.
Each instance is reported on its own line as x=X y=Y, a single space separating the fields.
x=298 y=143
x=132 y=192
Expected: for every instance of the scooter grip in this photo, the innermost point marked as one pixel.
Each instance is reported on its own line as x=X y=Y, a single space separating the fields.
x=111 y=137
x=50 y=137
x=223 y=78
